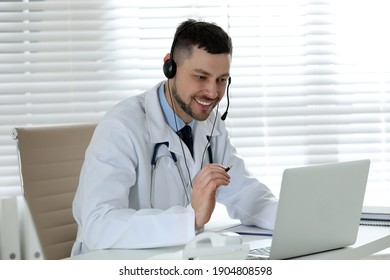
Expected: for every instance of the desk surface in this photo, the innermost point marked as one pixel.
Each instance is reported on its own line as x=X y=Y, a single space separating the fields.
x=373 y=242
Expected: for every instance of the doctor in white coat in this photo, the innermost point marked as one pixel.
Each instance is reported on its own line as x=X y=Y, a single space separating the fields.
x=140 y=185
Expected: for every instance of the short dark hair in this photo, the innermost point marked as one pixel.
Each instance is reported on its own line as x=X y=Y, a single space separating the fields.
x=204 y=35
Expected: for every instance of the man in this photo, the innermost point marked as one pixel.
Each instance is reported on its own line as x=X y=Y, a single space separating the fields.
x=141 y=186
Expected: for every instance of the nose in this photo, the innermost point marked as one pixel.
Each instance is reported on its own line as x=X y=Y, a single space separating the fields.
x=212 y=90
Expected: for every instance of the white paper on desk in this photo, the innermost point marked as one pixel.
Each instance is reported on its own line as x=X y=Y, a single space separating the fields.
x=250 y=230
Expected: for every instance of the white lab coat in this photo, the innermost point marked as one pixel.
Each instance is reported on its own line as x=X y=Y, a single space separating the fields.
x=112 y=205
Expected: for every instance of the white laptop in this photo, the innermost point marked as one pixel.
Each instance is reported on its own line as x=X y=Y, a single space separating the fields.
x=319 y=209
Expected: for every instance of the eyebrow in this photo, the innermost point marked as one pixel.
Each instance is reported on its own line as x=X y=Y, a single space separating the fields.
x=208 y=74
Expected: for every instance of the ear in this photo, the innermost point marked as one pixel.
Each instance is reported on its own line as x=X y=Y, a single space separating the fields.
x=167 y=56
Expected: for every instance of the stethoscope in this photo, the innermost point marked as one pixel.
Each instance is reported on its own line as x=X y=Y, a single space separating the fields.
x=174 y=158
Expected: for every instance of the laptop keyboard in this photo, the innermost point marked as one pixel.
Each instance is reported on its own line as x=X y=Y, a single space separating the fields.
x=259 y=253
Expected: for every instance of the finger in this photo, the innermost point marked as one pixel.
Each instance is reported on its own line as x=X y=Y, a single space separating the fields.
x=211 y=176
x=213 y=180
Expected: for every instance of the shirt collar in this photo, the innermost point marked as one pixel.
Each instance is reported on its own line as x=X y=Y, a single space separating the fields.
x=169 y=115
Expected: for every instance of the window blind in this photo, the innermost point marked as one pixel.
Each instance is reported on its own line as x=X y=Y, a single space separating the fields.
x=311 y=83
x=69 y=61
x=307 y=86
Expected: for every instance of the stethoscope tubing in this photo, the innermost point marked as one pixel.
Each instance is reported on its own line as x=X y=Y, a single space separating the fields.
x=174 y=158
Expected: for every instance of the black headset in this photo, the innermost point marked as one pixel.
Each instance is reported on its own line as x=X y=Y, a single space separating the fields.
x=170 y=67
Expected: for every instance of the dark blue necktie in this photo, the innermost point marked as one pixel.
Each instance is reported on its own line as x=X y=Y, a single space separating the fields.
x=186 y=135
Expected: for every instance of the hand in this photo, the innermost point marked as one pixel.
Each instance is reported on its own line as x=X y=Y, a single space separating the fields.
x=204 y=186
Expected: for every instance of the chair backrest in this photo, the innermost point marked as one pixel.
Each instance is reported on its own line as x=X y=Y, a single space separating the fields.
x=50 y=160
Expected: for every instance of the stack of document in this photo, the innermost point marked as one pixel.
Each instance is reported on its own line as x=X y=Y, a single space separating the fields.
x=375 y=216
x=250 y=230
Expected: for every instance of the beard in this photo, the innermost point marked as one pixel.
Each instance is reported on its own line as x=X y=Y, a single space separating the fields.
x=186 y=107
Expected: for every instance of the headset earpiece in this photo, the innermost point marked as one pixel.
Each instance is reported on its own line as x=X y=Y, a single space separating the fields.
x=169 y=68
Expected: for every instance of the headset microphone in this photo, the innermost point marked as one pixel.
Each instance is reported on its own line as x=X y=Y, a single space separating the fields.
x=228 y=102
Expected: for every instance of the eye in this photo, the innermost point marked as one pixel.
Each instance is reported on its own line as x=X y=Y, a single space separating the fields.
x=201 y=77
x=222 y=80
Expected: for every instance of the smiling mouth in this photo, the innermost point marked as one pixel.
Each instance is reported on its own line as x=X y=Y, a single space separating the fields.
x=203 y=103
